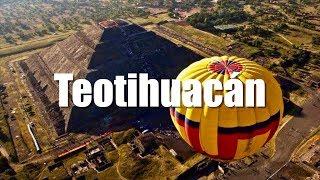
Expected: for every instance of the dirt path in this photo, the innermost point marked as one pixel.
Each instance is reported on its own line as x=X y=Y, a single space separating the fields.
x=121 y=177
x=4 y=152
x=280 y=35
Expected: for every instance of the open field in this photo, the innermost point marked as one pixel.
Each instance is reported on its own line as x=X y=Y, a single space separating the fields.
x=44 y=132
x=16 y=116
x=57 y=173
x=212 y=41
x=161 y=165
x=32 y=45
x=151 y=19
x=6 y=140
x=182 y=37
x=21 y=110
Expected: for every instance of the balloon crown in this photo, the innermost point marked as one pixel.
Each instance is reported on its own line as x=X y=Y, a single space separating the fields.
x=225 y=67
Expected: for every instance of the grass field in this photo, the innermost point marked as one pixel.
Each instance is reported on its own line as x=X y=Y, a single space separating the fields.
x=304 y=30
x=298 y=38
x=6 y=140
x=14 y=101
x=110 y=172
x=32 y=45
x=158 y=166
x=123 y=137
x=197 y=35
x=58 y=173
x=74 y=159
x=180 y=43
x=41 y=128
x=150 y=19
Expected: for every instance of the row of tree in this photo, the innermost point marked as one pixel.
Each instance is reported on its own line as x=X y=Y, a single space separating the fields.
x=208 y=20
x=24 y=20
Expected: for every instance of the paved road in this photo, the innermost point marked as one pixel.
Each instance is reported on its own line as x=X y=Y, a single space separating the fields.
x=289 y=137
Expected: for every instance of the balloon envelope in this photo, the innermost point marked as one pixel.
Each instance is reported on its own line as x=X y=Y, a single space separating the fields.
x=229 y=133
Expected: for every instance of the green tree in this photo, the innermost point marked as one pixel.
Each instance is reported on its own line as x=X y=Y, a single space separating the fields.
x=9 y=39
x=51 y=28
x=25 y=36
x=281 y=27
x=205 y=3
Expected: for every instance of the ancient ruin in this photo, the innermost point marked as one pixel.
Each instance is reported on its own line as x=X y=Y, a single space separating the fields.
x=101 y=52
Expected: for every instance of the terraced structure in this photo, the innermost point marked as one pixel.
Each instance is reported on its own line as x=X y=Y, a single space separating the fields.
x=102 y=52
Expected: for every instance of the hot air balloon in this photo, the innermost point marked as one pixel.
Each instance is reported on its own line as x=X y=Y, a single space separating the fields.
x=229 y=133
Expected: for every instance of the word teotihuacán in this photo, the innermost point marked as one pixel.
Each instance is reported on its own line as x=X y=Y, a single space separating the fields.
x=140 y=91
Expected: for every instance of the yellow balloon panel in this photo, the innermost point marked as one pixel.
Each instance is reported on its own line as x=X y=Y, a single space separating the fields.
x=229 y=133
